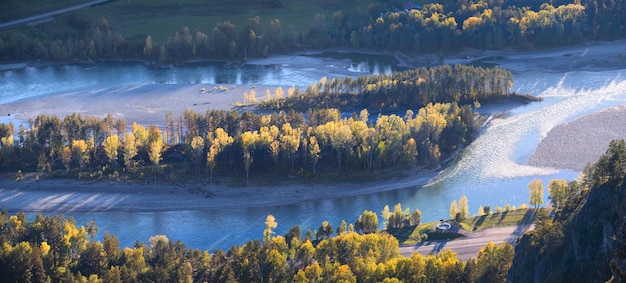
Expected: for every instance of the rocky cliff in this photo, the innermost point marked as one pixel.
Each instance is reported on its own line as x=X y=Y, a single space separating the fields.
x=584 y=241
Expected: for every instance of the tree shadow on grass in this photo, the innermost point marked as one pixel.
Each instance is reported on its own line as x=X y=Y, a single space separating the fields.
x=522 y=225
x=480 y=220
x=502 y=216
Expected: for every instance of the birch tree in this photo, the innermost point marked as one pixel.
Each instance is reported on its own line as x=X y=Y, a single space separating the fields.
x=536 y=192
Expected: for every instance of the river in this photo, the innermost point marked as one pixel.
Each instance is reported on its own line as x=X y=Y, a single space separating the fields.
x=491 y=171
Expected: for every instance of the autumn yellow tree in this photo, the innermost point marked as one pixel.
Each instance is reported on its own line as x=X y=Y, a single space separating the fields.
x=80 y=152
x=290 y=141
x=558 y=192
x=210 y=159
x=536 y=192
x=279 y=93
x=314 y=152
x=129 y=145
x=156 y=149
x=416 y=217
x=111 y=145
x=368 y=221
x=219 y=141
x=481 y=210
x=341 y=139
x=141 y=134
x=410 y=152
x=270 y=223
x=494 y=261
x=454 y=209
x=248 y=141
x=463 y=207
x=66 y=157
x=197 y=148
x=398 y=218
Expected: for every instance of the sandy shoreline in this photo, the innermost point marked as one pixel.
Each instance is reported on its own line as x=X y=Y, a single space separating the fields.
x=578 y=143
x=588 y=56
x=148 y=104
x=145 y=104
x=63 y=195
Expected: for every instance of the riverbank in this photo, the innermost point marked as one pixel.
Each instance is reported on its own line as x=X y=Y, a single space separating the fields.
x=32 y=194
x=148 y=104
x=145 y=104
x=575 y=144
x=588 y=56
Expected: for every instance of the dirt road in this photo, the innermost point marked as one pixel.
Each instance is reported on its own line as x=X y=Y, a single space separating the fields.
x=467 y=247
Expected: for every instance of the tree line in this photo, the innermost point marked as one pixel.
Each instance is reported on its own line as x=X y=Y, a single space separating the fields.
x=54 y=248
x=401 y=90
x=229 y=142
x=436 y=27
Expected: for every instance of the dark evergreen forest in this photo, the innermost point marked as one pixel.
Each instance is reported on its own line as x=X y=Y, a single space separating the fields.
x=447 y=26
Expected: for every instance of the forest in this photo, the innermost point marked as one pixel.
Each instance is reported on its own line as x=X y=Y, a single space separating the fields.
x=402 y=90
x=582 y=241
x=447 y=26
x=233 y=143
x=53 y=248
x=279 y=144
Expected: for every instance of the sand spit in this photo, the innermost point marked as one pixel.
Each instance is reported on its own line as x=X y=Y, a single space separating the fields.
x=145 y=104
x=62 y=195
x=581 y=142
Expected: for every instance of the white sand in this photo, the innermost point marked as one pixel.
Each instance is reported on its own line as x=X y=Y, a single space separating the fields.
x=582 y=141
x=144 y=104
x=54 y=195
x=576 y=144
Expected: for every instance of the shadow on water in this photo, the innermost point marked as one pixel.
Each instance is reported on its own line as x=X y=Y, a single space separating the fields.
x=365 y=63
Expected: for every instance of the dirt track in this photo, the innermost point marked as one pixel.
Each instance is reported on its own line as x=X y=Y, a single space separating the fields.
x=467 y=247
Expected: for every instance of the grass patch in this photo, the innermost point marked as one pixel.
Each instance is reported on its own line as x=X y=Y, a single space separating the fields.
x=412 y=235
x=326 y=176
x=17 y=9
x=507 y=218
x=408 y=235
x=163 y=18
x=465 y=226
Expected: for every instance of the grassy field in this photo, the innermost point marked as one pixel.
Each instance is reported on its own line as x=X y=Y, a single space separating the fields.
x=516 y=217
x=163 y=18
x=410 y=235
x=17 y=9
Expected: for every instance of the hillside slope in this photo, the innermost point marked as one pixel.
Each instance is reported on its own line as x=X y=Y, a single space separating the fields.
x=585 y=240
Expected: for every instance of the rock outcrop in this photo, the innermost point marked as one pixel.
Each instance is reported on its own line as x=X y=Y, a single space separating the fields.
x=585 y=241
